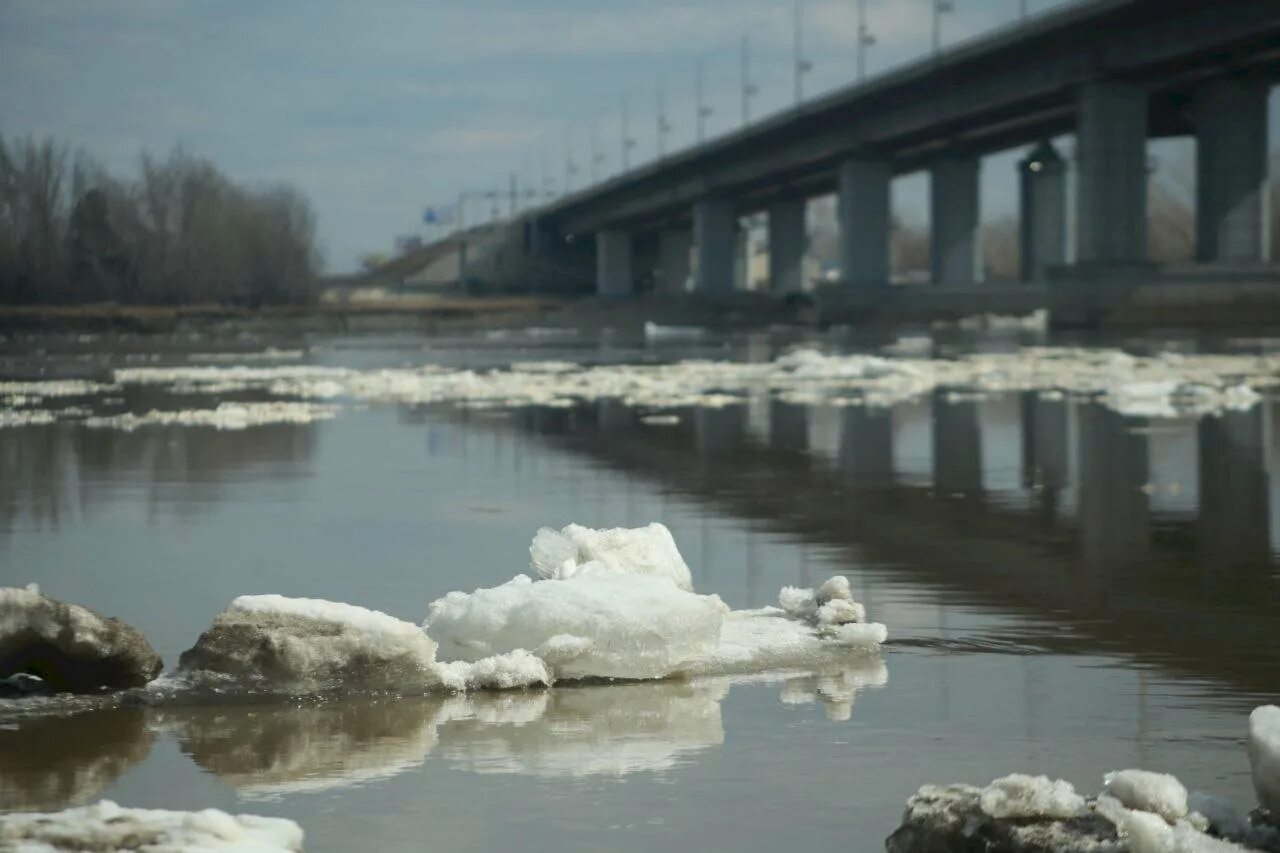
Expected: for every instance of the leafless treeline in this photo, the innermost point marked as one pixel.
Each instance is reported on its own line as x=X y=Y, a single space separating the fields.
x=179 y=232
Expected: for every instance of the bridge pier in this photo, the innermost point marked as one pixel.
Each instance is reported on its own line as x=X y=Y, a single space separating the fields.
x=787 y=243
x=953 y=200
x=674 y=247
x=613 y=263
x=1111 y=196
x=1230 y=118
x=863 y=191
x=1042 y=223
x=715 y=230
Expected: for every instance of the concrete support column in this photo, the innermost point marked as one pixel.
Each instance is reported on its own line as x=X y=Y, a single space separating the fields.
x=953 y=202
x=613 y=263
x=715 y=227
x=863 y=190
x=674 y=248
x=1111 y=196
x=788 y=240
x=1231 y=171
x=1042 y=221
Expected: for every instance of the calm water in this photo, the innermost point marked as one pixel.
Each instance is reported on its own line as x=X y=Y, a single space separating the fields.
x=1067 y=590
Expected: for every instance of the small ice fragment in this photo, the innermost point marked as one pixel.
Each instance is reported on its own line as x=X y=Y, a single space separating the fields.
x=798 y=603
x=1020 y=796
x=836 y=587
x=513 y=669
x=839 y=611
x=1158 y=793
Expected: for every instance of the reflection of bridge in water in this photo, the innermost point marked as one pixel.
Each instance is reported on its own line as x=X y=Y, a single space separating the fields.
x=1137 y=536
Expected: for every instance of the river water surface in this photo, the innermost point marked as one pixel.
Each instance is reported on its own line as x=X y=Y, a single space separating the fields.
x=1068 y=590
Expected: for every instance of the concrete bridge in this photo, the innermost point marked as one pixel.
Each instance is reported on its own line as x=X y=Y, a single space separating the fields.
x=1113 y=72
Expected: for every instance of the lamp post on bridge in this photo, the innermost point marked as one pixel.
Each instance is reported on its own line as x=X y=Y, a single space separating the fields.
x=940 y=7
x=704 y=111
x=865 y=39
x=802 y=65
x=627 y=141
x=749 y=89
x=663 y=127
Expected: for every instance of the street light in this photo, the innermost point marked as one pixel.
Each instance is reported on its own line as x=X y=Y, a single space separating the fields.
x=865 y=39
x=749 y=89
x=940 y=7
x=704 y=112
x=802 y=65
x=627 y=142
x=663 y=126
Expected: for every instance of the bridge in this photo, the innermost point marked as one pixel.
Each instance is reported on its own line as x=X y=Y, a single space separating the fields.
x=1115 y=73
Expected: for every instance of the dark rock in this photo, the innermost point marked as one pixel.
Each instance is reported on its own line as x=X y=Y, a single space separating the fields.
x=71 y=648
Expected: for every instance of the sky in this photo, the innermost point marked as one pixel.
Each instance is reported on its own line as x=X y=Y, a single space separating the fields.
x=379 y=110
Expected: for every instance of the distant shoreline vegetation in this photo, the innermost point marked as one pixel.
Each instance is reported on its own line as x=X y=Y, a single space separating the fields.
x=179 y=232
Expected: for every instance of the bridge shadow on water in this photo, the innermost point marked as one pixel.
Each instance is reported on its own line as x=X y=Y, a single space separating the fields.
x=1150 y=539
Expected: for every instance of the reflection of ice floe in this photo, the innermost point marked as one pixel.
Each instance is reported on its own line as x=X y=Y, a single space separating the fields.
x=1137 y=811
x=586 y=731
x=107 y=826
x=229 y=416
x=49 y=762
x=265 y=751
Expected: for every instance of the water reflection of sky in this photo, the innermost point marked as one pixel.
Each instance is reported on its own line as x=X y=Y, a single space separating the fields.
x=1068 y=591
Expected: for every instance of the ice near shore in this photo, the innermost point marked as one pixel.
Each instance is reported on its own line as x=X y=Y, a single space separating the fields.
x=1137 y=811
x=106 y=826
x=610 y=604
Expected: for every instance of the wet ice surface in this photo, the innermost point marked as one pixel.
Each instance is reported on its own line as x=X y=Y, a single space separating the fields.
x=1069 y=591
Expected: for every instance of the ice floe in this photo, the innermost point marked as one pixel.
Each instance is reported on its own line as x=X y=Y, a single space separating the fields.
x=226 y=416
x=107 y=826
x=279 y=643
x=1138 y=811
x=1160 y=386
x=70 y=647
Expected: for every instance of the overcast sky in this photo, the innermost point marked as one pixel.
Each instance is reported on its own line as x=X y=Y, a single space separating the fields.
x=377 y=110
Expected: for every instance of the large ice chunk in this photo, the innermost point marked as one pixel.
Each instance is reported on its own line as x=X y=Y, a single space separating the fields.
x=590 y=625
x=107 y=826
x=1264 y=756
x=1158 y=793
x=70 y=647
x=577 y=550
x=310 y=644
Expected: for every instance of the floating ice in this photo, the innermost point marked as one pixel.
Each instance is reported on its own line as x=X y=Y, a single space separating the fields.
x=637 y=551
x=517 y=668
x=1146 y=832
x=308 y=644
x=655 y=332
x=628 y=626
x=107 y=826
x=1264 y=756
x=70 y=647
x=227 y=416
x=1158 y=793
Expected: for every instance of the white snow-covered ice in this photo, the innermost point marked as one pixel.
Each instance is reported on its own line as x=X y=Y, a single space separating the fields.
x=577 y=550
x=1021 y=796
x=107 y=826
x=1264 y=756
x=1158 y=793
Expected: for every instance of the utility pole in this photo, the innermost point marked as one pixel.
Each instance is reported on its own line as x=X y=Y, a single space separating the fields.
x=865 y=39
x=802 y=66
x=570 y=168
x=748 y=88
x=515 y=195
x=703 y=110
x=627 y=142
x=596 y=156
x=940 y=7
